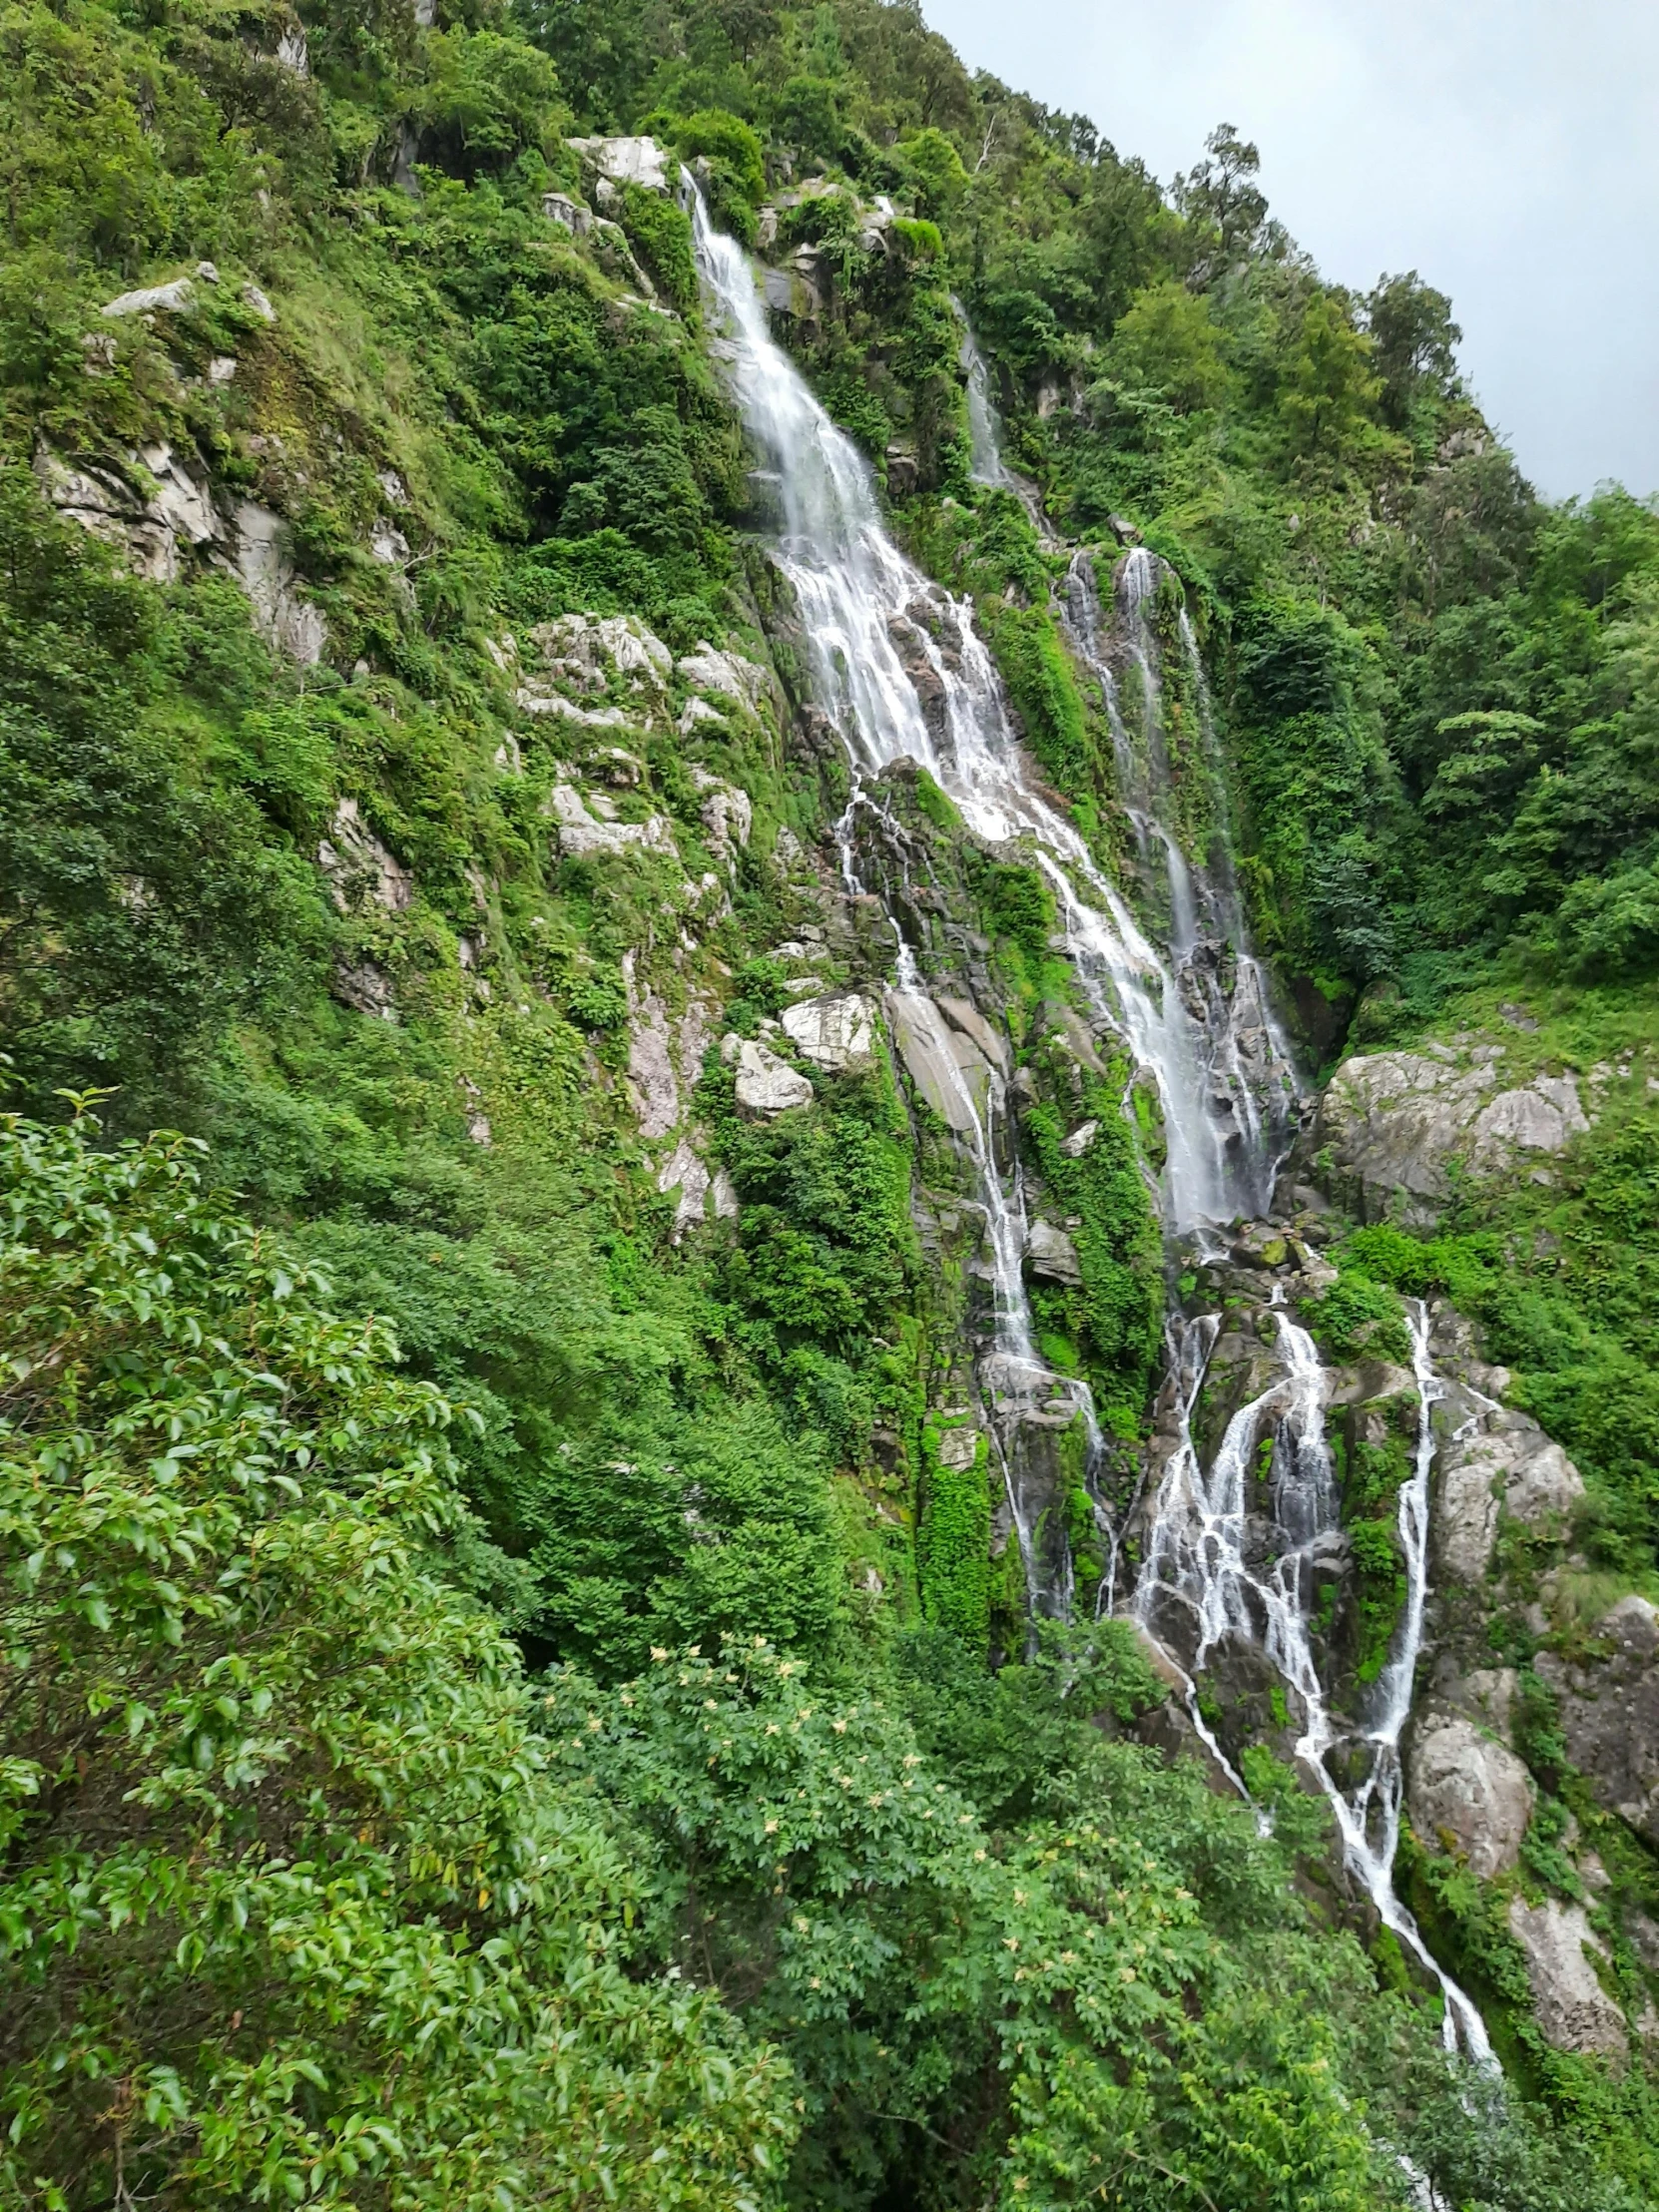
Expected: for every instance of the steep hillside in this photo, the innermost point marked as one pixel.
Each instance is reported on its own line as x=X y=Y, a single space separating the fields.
x=1002 y=1059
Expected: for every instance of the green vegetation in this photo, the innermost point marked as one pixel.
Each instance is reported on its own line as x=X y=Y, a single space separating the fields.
x=497 y=1628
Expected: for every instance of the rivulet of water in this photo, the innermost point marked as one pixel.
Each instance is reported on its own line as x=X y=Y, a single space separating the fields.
x=986 y=464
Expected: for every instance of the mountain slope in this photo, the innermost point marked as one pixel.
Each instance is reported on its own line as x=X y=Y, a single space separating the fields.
x=420 y=787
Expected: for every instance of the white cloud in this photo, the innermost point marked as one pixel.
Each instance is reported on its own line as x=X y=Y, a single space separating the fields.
x=1509 y=150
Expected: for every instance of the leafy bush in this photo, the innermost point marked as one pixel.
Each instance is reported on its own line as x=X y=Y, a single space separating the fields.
x=291 y=1900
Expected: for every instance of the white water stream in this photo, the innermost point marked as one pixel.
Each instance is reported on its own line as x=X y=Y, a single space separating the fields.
x=984 y=424
x=899 y=666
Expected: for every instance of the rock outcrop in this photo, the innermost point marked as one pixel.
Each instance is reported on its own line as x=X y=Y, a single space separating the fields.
x=1051 y=1255
x=947 y=1065
x=1609 y=1712
x=1393 y=1125
x=1469 y=1793
x=766 y=1084
x=358 y=865
x=162 y=514
x=580 y=833
x=1507 y=1464
x=627 y=161
x=1572 y=2008
x=835 y=1032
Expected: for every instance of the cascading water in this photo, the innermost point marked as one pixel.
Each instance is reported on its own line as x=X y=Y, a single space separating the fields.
x=1237 y=1056
x=1199 y=1589
x=896 y=664
x=985 y=424
x=874 y=625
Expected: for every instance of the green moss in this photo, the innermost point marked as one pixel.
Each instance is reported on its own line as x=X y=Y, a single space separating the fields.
x=953 y=1543
x=660 y=233
x=1115 y=1319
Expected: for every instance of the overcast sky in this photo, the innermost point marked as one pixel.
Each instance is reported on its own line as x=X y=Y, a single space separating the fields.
x=1509 y=150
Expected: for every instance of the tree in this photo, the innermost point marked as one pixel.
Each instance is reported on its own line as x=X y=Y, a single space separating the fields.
x=1167 y=343
x=1328 y=400
x=1222 y=200
x=1412 y=339
x=291 y=1906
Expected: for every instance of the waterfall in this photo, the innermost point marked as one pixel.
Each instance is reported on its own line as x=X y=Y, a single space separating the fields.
x=1197 y=1589
x=984 y=424
x=1235 y=1053
x=896 y=664
x=872 y=623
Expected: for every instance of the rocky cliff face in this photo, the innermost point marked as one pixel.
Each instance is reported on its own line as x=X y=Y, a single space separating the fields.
x=1538 y=1776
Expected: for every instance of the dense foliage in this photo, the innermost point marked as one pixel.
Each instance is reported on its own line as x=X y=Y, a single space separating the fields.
x=497 y=1679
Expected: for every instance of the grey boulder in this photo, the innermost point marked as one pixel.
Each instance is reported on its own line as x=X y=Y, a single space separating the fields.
x=1466 y=1789
x=1570 y=2006
x=1609 y=1711
x=1393 y=1124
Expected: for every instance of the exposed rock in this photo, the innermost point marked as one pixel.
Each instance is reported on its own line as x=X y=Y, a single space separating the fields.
x=615 y=248
x=837 y=1032
x=1572 y=2008
x=1518 y=1466
x=727 y=674
x=1080 y=1140
x=1465 y=1515
x=176 y=297
x=723 y=1197
x=1543 y=1485
x=154 y=530
x=1609 y=1710
x=1371 y=1382
x=798 y=292
x=696 y=711
x=388 y=544
x=947 y=1068
x=535 y=702
x=580 y=832
x=1050 y=1252
x=1467 y=1788
x=627 y=161
x=695 y=1037
x=902 y=467
x=365 y=987
x=652 y=1088
x=965 y=1017
x=926 y=680
x=251 y=296
x=766 y=1084
x=726 y=812
x=686 y=1169
x=613 y=764
x=290 y=624
x=1394 y=1122
x=613 y=657
x=358 y=867
x=560 y=208
x=1488 y=1695
x=959 y=1447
